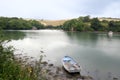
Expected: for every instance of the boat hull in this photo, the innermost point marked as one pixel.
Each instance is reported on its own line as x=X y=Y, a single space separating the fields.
x=70 y=65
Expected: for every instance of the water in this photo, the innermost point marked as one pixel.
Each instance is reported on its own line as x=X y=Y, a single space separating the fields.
x=97 y=53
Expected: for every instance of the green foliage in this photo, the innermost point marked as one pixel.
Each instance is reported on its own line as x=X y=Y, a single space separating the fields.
x=36 y=24
x=80 y=24
x=95 y=24
x=87 y=24
x=85 y=19
x=18 y=24
x=12 y=68
x=114 y=26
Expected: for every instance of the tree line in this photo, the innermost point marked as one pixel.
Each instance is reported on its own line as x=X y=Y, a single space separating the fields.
x=88 y=24
x=79 y=24
x=15 y=23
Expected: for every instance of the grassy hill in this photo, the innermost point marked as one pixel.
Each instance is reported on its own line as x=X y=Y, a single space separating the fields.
x=60 y=22
x=109 y=19
x=52 y=22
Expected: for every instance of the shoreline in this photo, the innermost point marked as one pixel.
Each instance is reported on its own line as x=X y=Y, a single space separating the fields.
x=48 y=70
x=59 y=73
x=65 y=31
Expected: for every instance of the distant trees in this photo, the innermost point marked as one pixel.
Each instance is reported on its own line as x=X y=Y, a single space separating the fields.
x=94 y=24
x=79 y=24
x=70 y=25
x=18 y=23
x=114 y=26
x=36 y=24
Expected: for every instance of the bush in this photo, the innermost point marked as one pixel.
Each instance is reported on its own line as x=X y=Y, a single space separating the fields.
x=13 y=68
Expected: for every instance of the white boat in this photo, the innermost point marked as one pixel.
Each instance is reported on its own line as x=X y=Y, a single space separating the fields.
x=70 y=65
x=110 y=33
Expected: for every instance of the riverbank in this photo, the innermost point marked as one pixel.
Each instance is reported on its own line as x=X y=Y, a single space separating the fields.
x=47 y=70
x=59 y=73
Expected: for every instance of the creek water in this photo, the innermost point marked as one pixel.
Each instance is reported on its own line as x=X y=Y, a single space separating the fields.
x=97 y=53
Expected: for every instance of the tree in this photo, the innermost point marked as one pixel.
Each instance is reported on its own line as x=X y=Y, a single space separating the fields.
x=18 y=23
x=114 y=26
x=36 y=24
x=70 y=25
x=95 y=24
x=80 y=26
x=86 y=19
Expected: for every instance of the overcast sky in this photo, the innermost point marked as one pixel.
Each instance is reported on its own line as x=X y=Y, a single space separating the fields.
x=59 y=9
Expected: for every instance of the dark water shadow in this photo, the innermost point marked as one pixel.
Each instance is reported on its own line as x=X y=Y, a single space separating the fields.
x=13 y=35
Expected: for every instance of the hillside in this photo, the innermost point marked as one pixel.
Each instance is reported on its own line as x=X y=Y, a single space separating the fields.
x=52 y=22
x=60 y=22
x=109 y=19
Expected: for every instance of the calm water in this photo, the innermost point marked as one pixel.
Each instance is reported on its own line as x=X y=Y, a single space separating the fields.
x=97 y=53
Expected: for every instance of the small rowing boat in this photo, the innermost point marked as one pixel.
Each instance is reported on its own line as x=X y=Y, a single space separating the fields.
x=70 y=65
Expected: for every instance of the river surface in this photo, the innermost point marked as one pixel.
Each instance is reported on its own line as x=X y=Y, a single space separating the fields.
x=97 y=53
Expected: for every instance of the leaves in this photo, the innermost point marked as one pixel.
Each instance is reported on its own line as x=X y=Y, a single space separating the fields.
x=13 y=68
x=94 y=24
x=18 y=24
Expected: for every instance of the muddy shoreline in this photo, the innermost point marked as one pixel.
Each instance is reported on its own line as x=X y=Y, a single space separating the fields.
x=47 y=70
x=50 y=71
x=59 y=73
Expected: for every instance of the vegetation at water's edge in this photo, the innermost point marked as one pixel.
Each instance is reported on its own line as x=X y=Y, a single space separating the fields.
x=94 y=24
x=15 y=23
x=79 y=24
x=12 y=68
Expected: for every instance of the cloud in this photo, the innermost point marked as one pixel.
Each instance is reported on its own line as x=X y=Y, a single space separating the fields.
x=112 y=10
x=59 y=9
x=95 y=7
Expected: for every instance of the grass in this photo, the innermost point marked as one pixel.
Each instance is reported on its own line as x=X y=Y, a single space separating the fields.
x=61 y=22
x=52 y=22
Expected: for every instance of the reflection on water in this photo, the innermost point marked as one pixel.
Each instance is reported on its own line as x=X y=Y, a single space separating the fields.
x=13 y=35
x=85 y=39
x=97 y=53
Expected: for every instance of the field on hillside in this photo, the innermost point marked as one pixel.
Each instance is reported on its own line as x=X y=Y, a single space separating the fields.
x=52 y=22
x=61 y=22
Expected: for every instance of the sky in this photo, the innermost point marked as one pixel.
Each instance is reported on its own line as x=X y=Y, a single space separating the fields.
x=59 y=9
